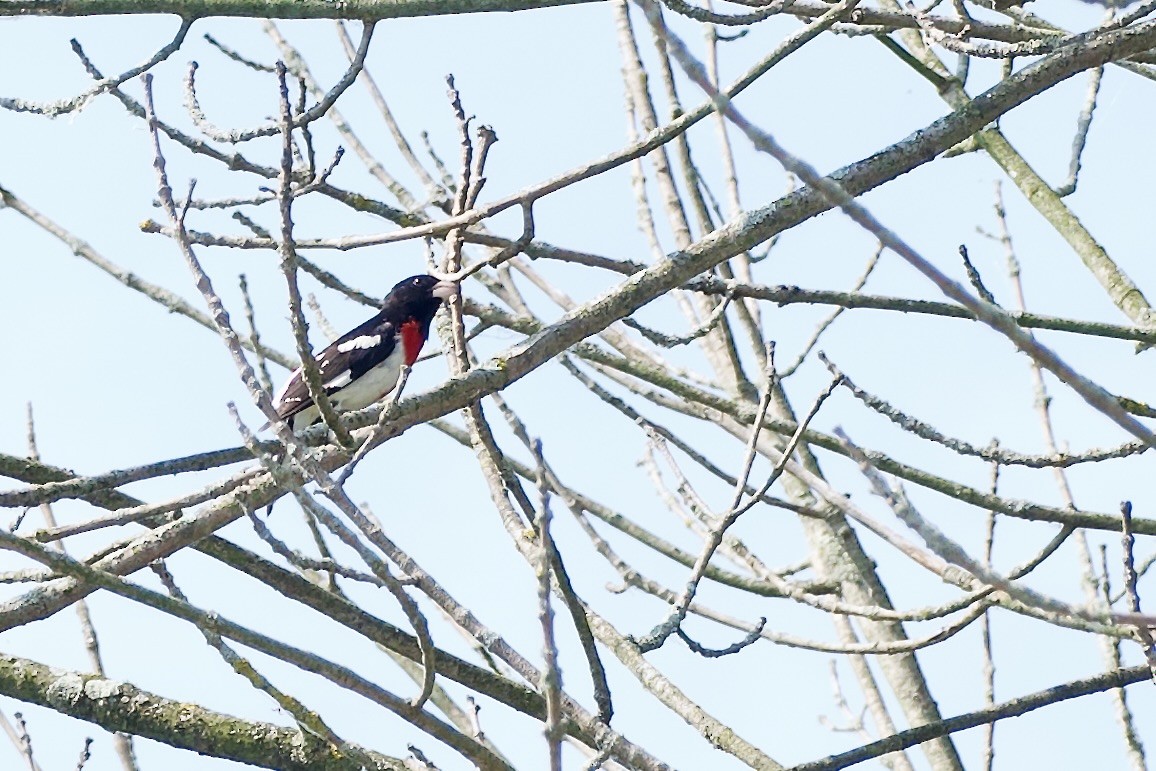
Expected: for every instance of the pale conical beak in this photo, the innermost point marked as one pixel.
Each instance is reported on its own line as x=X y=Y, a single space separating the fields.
x=444 y=290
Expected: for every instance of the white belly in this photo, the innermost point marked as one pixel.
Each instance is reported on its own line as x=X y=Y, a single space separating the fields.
x=369 y=387
x=361 y=393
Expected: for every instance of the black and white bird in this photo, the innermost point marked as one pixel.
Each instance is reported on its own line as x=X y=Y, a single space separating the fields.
x=363 y=365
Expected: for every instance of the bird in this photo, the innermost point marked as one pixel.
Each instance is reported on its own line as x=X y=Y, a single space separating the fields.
x=364 y=364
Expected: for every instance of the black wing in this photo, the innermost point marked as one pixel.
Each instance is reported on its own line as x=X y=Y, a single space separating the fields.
x=340 y=363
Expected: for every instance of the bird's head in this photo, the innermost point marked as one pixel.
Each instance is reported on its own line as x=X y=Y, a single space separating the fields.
x=418 y=297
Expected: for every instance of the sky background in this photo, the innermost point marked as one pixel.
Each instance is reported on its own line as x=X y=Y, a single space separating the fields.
x=116 y=382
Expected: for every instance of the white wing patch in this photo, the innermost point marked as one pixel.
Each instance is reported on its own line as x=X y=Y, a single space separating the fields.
x=280 y=397
x=365 y=341
x=340 y=381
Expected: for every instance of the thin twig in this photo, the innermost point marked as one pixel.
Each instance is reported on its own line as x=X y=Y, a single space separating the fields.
x=551 y=685
x=1080 y=140
x=309 y=370
x=63 y=106
x=304 y=119
x=657 y=636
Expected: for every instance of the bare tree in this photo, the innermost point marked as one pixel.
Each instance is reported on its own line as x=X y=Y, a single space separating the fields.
x=828 y=510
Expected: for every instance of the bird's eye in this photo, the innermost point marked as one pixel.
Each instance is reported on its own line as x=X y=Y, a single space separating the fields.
x=417 y=282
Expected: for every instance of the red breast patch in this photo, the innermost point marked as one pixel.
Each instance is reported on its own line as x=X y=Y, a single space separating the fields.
x=411 y=341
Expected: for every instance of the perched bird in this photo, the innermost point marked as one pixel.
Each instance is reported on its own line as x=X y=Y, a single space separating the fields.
x=363 y=365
